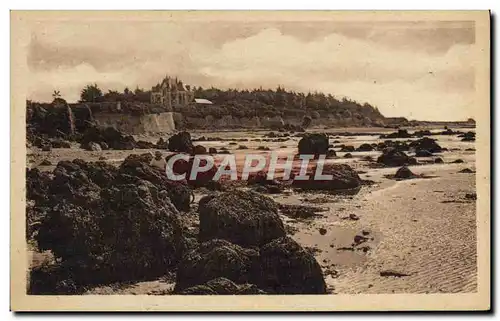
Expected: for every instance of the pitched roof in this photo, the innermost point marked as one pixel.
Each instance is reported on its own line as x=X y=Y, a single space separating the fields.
x=203 y=101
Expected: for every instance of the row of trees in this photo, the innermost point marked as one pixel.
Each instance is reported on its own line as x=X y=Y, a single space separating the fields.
x=244 y=102
x=92 y=93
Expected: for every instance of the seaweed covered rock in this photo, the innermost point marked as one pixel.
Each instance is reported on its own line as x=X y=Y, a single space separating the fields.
x=131 y=232
x=313 y=144
x=427 y=144
x=138 y=166
x=287 y=268
x=343 y=178
x=180 y=142
x=245 y=218
x=37 y=185
x=223 y=286
x=393 y=157
x=214 y=259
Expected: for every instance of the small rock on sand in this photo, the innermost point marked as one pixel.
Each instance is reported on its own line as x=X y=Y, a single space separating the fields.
x=322 y=231
x=393 y=273
x=471 y=196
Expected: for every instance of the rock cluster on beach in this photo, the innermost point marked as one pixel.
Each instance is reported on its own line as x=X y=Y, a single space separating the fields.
x=243 y=240
x=104 y=223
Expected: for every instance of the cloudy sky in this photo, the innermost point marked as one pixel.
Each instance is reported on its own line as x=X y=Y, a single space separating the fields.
x=419 y=70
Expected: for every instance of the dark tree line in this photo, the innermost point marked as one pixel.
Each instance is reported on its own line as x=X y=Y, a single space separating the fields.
x=246 y=103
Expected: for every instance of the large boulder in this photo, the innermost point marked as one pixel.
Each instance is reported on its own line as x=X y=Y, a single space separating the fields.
x=393 y=157
x=37 y=185
x=214 y=259
x=245 y=218
x=344 y=178
x=313 y=144
x=131 y=232
x=180 y=142
x=427 y=144
x=138 y=167
x=287 y=268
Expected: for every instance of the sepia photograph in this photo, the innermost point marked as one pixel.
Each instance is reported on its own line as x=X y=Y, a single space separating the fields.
x=195 y=160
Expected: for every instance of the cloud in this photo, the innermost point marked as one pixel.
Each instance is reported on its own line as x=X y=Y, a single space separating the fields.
x=422 y=71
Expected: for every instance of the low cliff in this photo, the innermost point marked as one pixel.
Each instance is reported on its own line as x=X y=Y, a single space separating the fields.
x=211 y=117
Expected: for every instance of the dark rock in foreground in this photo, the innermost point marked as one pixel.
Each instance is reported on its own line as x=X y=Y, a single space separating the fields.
x=243 y=217
x=120 y=233
x=223 y=286
x=287 y=268
x=110 y=137
x=427 y=144
x=217 y=258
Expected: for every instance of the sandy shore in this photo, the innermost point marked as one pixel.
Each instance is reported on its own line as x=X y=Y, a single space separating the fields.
x=423 y=227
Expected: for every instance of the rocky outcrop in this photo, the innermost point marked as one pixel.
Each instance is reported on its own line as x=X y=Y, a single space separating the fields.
x=105 y=224
x=99 y=234
x=107 y=138
x=427 y=144
x=180 y=142
x=313 y=144
x=217 y=258
x=243 y=217
x=287 y=268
